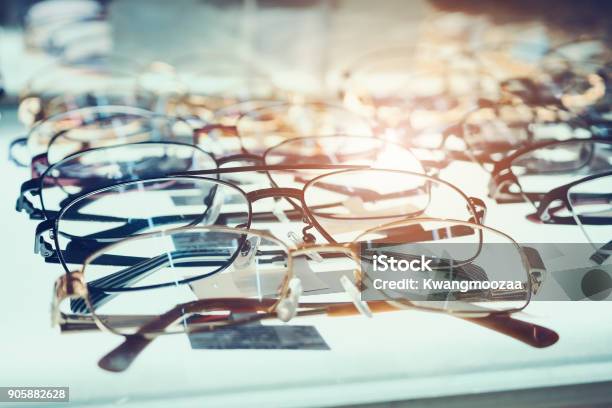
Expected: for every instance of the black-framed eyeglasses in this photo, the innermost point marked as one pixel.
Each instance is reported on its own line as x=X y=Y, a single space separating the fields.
x=64 y=134
x=94 y=82
x=333 y=206
x=567 y=182
x=496 y=130
x=96 y=168
x=89 y=170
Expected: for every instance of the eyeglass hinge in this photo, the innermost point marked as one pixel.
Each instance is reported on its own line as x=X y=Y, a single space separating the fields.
x=544 y=216
x=537 y=269
x=41 y=246
x=23 y=204
x=69 y=285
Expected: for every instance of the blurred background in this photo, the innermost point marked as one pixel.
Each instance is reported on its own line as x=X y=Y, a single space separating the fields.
x=303 y=42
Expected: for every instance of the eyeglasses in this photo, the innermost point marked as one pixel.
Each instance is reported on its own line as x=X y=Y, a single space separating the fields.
x=200 y=84
x=96 y=168
x=229 y=115
x=523 y=175
x=268 y=125
x=572 y=75
x=223 y=122
x=94 y=82
x=336 y=206
x=511 y=58
x=52 y=26
x=103 y=97
x=155 y=159
x=86 y=128
x=139 y=298
x=586 y=202
x=493 y=131
x=567 y=182
x=404 y=92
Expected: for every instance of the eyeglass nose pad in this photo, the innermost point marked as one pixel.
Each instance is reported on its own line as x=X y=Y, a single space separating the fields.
x=358 y=279
x=355 y=296
x=287 y=307
x=213 y=202
x=246 y=253
x=55 y=312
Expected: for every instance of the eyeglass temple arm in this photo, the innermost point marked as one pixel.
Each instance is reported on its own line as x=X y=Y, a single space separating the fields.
x=415 y=233
x=365 y=193
x=131 y=225
x=602 y=254
x=587 y=198
x=537 y=268
x=528 y=333
x=546 y=214
x=143 y=267
x=46 y=250
x=77 y=256
x=120 y=358
x=404 y=232
x=243 y=169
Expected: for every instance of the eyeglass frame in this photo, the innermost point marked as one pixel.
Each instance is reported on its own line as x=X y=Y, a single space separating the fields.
x=71 y=285
x=475 y=206
x=502 y=176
